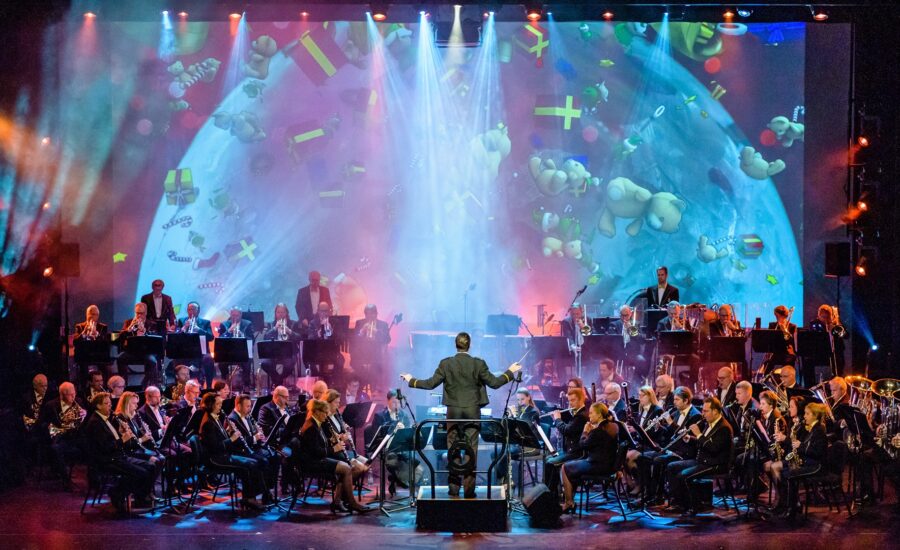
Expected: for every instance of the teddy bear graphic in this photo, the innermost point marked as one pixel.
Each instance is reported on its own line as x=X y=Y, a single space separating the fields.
x=625 y=199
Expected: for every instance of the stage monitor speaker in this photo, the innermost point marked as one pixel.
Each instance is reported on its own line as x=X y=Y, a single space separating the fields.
x=68 y=264
x=837 y=259
x=538 y=501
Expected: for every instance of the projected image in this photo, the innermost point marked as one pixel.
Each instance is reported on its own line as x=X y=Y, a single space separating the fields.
x=452 y=183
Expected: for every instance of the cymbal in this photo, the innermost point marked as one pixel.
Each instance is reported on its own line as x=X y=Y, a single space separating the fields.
x=859 y=382
x=886 y=387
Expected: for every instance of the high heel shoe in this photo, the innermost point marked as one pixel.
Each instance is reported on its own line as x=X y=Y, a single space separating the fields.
x=359 y=508
x=569 y=508
x=339 y=508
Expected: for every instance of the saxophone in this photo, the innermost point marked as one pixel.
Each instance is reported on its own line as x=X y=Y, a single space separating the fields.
x=776 y=449
x=793 y=458
x=68 y=420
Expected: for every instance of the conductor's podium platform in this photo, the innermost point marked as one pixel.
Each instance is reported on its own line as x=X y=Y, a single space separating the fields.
x=462 y=515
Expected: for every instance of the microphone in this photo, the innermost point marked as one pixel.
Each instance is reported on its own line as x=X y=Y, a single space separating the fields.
x=549 y=318
x=580 y=292
x=399 y=395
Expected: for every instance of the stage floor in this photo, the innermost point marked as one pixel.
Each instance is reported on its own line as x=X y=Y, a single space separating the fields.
x=48 y=518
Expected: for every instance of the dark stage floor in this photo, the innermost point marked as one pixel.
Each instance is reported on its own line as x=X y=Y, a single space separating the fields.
x=48 y=518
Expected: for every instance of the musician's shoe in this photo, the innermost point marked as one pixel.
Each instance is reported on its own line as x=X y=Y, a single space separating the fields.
x=453 y=490
x=339 y=508
x=392 y=488
x=252 y=504
x=360 y=509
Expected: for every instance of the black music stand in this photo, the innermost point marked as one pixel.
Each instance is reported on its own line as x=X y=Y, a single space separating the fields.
x=260 y=402
x=600 y=325
x=186 y=346
x=233 y=350
x=294 y=423
x=177 y=427
x=676 y=342
x=150 y=344
x=401 y=441
x=517 y=432
x=729 y=349
x=652 y=317
x=358 y=415
x=320 y=352
x=815 y=346
x=550 y=347
x=601 y=346
x=553 y=394
x=340 y=326
x=257 y=320
x=89 y=352
x=276 y=349
x=766 y=341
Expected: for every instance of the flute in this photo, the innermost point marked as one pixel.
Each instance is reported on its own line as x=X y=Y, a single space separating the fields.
x=559 y=411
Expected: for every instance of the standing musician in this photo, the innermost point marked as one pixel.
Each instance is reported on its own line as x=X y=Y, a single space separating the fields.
x=464 y=378
x=662 y=293
x=828 y=320
x=713 y=454
x=91 y=330
x=224 y=445
x=599 y=442
x=309 y=298
x=159 y=310
x=193 y=324
x=61 y=418
x=317 y=455
x=570 y=432
x=139 y=325
x=282 y=330
x=372 y=339
x=236 y=327
x=786 y=355
x=255 y=438
x=106 y=441
x=807 y=454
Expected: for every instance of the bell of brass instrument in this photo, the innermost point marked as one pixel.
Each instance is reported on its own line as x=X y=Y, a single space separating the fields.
x=190 y=326
x=281 y=326
x=631 y=329
x=68 y=420
x=90 y=330
x=137 y=326
x=235 y=330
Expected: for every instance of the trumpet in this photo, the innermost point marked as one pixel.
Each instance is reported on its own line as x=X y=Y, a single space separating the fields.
x=90 y=330
x=281 y=326
x=137 y=326
x=190 y=326
x=235 y=330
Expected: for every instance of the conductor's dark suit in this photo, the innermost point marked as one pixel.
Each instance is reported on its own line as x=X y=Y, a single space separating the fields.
x=304 y=306
x=670 y=294
x=464 y=378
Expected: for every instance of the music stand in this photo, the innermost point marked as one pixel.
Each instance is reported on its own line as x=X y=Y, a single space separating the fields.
x=186 y=346
x=814 y=345
x=652 y=317
x=145 y=345
x=260 y=403
x=340 y=325
x=275 y=349
x=89 y=352
x=600 y=325
x=728 y=349
x=553 y=394
x=177 y=427
x=502 y=325
x=604 y=346
x=550 y=347
x=320 y=352
x=769 y=341
x=294 y=423
x=271 y=435
x=233 y=350
x=228 y=405
x=357 y=415
x=675 y=342
x=401 y=441
x=257 y=319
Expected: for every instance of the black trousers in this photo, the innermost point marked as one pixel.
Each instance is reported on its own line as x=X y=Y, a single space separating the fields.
x=552 y=467
x=469 y=433
x=681 y=474
x=270 y=367
x=248 y=470
x=138 y=476
x=150 y=362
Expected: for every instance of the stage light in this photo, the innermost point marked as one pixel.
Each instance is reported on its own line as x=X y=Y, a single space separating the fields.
x=90 y=15
x=862 y=205
x=48 y=271
x=744 y=12
x=304 y=14
x=818 y=14
x=378 y=11
x=183 y=14
x=608 y=15
x=235 y=16
x=862 y=141
x=874 y=347
x=861 y=266
x=30 y=347
x=533 y=10
x=728 y=14
x=165 y=13
x=45 y=141
x=46 y=205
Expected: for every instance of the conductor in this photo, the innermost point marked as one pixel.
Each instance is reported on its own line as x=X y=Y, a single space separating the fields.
x=464 y=378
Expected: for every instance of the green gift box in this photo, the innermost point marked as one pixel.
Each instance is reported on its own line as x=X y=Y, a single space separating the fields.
x=179 y=187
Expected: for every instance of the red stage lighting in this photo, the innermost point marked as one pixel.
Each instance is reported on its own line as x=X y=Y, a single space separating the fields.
x=863 y=141
x=304 y=14
x=608 y=15
x=862 y=206
x=820 y=15
x=533 y=10
x=183 y=14
x=48 y=271
x=235 y=16
x=861 y=269
x=90 y=15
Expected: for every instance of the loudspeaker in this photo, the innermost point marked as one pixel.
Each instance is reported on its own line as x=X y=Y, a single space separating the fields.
x=538 y=501
x=68 y=264
x=837 y=259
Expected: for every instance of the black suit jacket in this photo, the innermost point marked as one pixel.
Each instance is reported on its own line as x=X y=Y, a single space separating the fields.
x=681 y=448
x=51 y=409
x=572 y=430
x=619 y=409
x=313 y=442
x=214 y=439
x=600 y=446
x=814 y=446
x=304 y=308
x=268 y=417
x=294 y=335
x=715 y=449
x=204 y=327
x=730 y=396
x=100 y=444
x=670 y=294
x=150 y=419
x=382 y=335
x=102 y=330
x=168 y=312
x=246 y=329
x=782 y=356
x=464 y=378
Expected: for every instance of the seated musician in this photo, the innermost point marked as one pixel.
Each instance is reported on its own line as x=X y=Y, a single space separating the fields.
x=61 y=418
x=570 y=431
x=526 y=411
x=788 y=377
x=191 y=395
x=625 y=326
x=393 y=417
x=792 y=427
x=652 y=464
x=727 y=390
x=599 y=442
x=95 y=385
x=152 y=413
x=785 y=355
x=236 y=327
x=318 y=455
x=648 y=411
x=827 y=320
x=608 y=374
x=256 y=441
x=372 y=339
x=91 y=330
x=106 y=441
x=675 y=318
x=142 y=446
x=713 y=455
x=282 y=330
x=116 y=385
x=271 y=412
x=665 y=391
x=574 y=383
x=763 y=458
x=809 y=452
x=612 y=396
x=319 y=391
x=320 y=328
x=846 y=423
x=337 y=426
x=224 y=445
x=572 y=328
x=193 y=324
x=31 y=403
x=354 y=392
x=175 y=391
x=742 y=414
x=138 y=326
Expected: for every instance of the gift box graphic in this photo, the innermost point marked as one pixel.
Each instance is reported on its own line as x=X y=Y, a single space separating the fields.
x=318 y=55
x=179 y=187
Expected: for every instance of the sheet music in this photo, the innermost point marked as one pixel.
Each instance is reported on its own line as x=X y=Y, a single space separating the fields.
x=202 y=344
x=545 y=439
x=370 y=414
x=385 y=441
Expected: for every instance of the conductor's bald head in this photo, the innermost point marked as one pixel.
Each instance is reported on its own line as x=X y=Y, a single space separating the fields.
x=463 y=340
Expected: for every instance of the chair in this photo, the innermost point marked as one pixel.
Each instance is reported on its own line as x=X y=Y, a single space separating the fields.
x=829 y=480
x=606 y=480
x=204 y=469
x=100 y=480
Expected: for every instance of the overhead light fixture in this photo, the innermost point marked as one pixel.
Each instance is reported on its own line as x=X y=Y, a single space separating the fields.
x=235 y=16
x=729 y=14
x=744 y=12
x=862 y=141
x=533 y=10
x=183 y=14
x=90 y=15
x=818 y=14
x=379 y=11
x=608 y=15
x=861 y=268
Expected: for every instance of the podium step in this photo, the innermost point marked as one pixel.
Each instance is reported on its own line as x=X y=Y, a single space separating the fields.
x=459 y=514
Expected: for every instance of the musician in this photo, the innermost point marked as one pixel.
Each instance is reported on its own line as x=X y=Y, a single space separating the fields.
x=827 y=320
x=662 y=293
x=599 y=442
x=320 y=328
x=256 y=441
x=571 y=327
x=105 y=443
x=727 y=390
x=665 y=391
x=309 y=298
x=570 y=431
x=674 y=319
x=608 y=374
x=811 y=450
x=336 y=426
x=160 y=311
x=788 y=377
x=282 y=330
x=223 y=447
x=464 y=378
x=316 y=456
x=713 y=454
x=741 y=413
x=372 y=339
x=786 y=355
x=142 y=446
x=793 y=428
x=152 y=414
x=393 y=417
x=353 y=393
x=91 y=330
x=191 y=394
x=625 y=325
x=237 y=327
x=193 y=324
x=61 y=418
x=175 y=391
x=652 y=464
x=271 y=412
x=139 y=325
x=648 y=411
x=750 y=451
x=116 y=386
x=526 y=411
x=32 y=401
x=612 y=396
x=575 y=383
x=95 y=386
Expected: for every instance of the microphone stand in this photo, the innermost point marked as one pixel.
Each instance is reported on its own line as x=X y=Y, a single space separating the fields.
x=412 y=472
x=579 y=338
